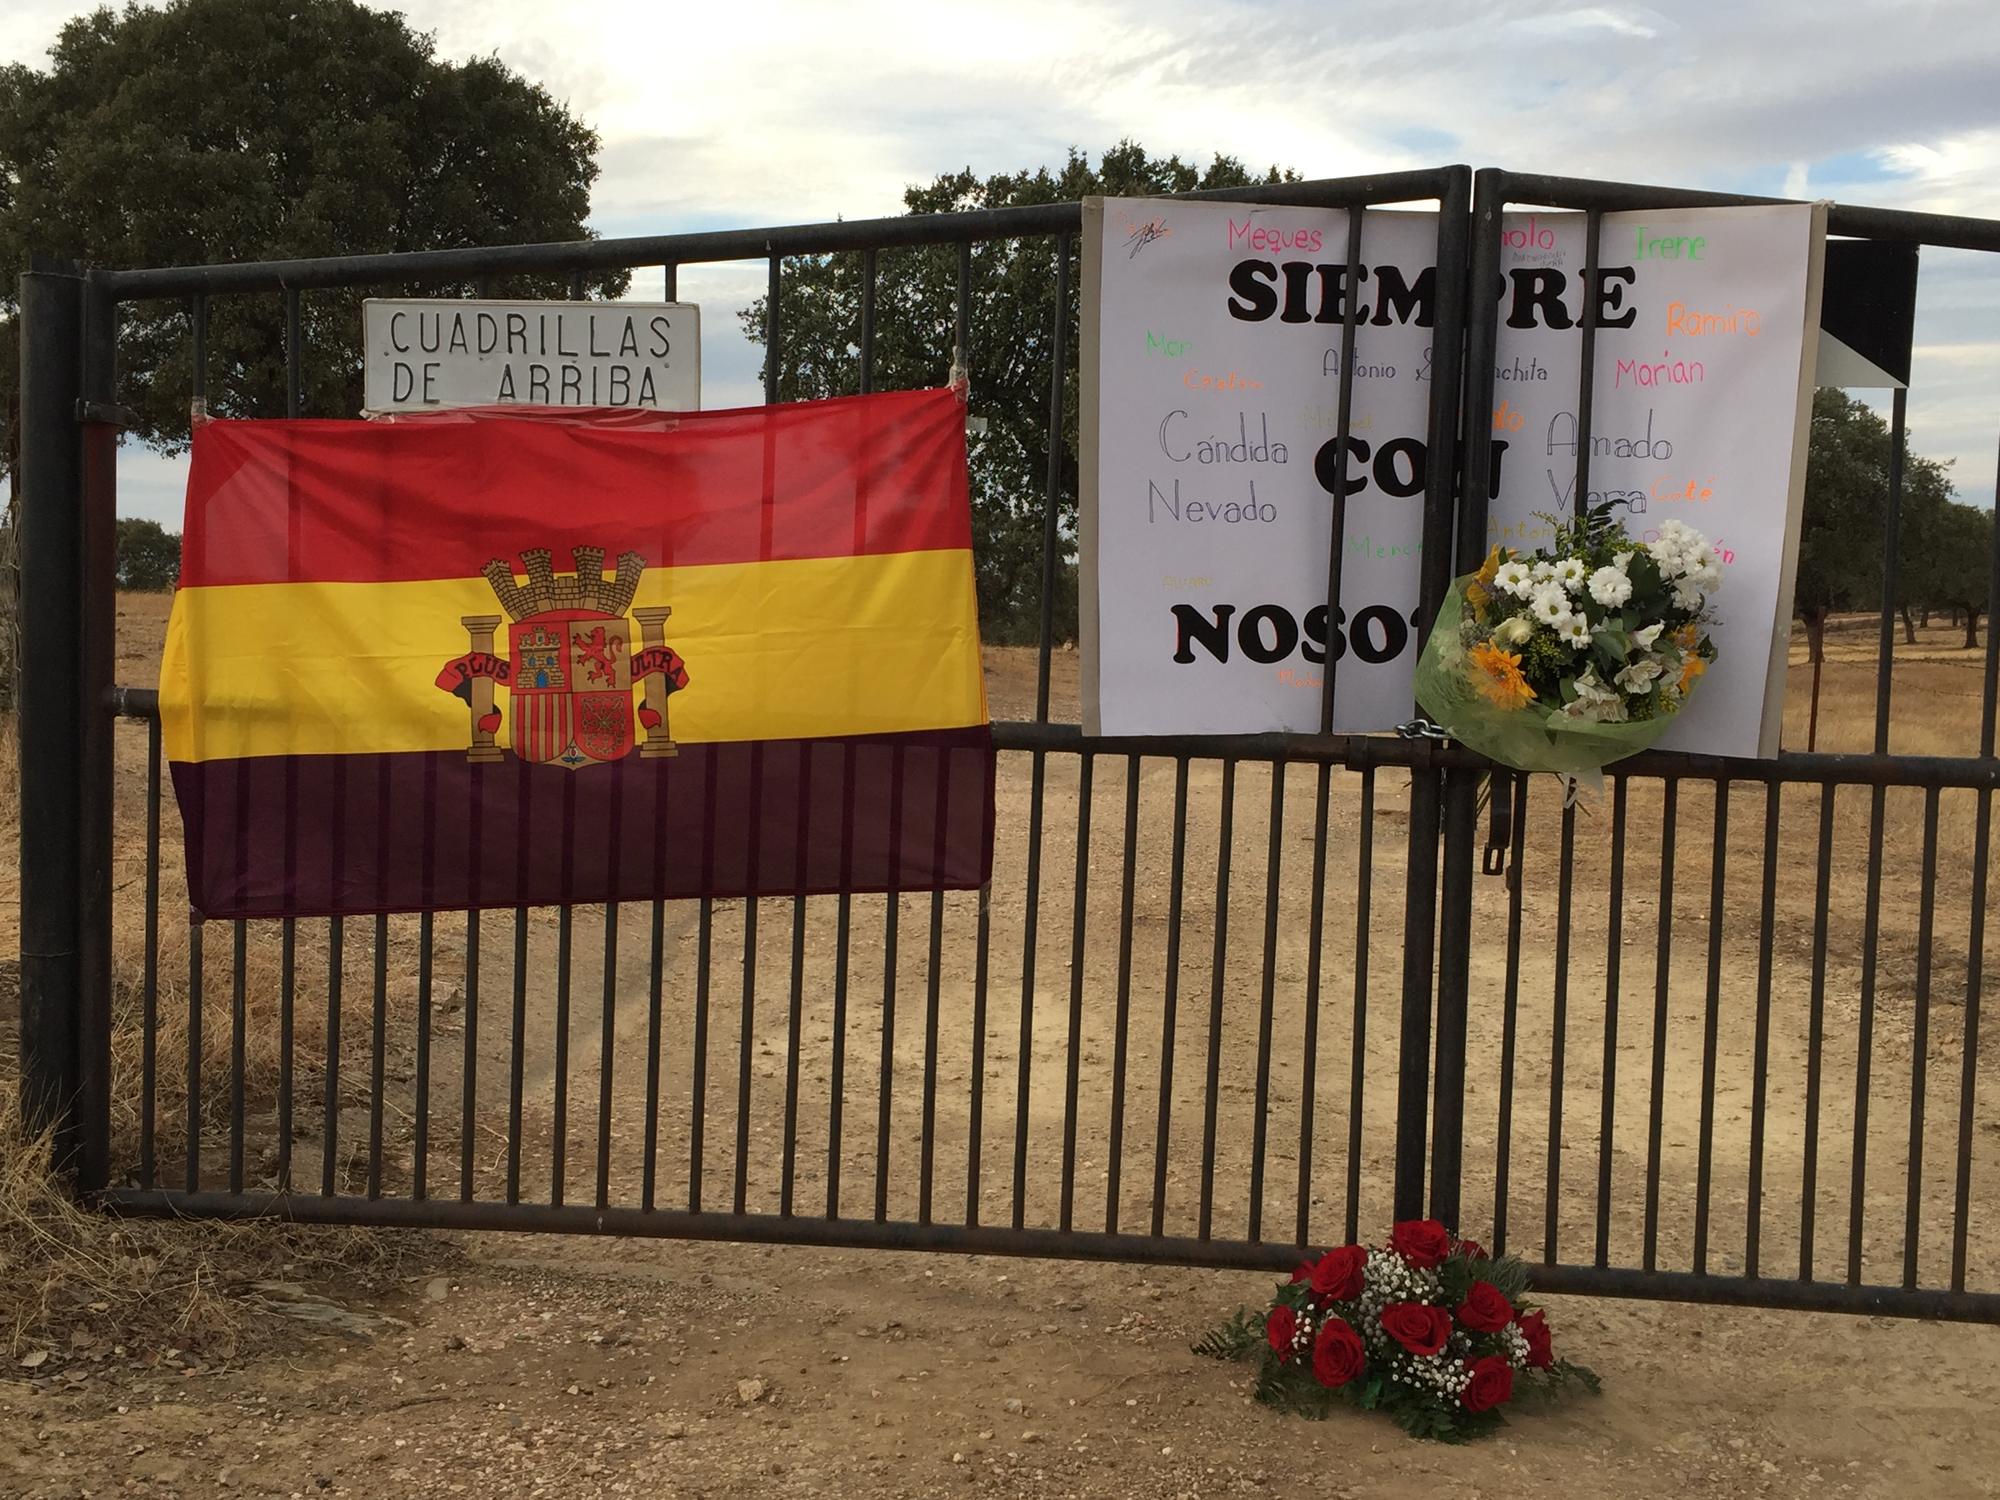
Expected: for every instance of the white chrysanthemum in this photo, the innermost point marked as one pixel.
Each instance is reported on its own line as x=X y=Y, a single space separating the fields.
x=1513 y=631
x=1543 y=570
x=1514 y=578
x=1610 y=587
x=1574 y=633
x=1687 y=595
x=1707 y=578
x=1550 y=605
x=1570 y=573
x=1623 y=561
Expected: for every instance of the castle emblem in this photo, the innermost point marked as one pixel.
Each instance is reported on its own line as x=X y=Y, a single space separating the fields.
x=571 y=664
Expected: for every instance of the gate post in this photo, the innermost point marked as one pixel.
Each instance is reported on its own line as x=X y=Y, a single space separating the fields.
x=101 y=422
x=1420 y=910
x=68 y=543
x=1460 y=819
x=50 y=705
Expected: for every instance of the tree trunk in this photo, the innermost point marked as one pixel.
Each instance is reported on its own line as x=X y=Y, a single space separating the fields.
x=1924 y=617
x=1909 y=627
x=1971 y=628
x=1815 y=621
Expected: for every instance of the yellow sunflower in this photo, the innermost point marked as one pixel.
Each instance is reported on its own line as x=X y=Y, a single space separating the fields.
x=1498 y=676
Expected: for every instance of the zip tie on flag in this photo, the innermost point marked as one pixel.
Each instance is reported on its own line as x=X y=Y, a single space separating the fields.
x=960 y=378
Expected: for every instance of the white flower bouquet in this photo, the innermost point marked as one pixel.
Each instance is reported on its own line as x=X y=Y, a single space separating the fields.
x=1577 y=656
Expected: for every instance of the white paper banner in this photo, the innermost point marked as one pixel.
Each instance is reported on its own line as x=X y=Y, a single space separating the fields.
x=1211 y=357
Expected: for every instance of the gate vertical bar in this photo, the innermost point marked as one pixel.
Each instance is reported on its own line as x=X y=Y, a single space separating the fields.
x=51 y=702
x=1450 y=415
x=98 y=652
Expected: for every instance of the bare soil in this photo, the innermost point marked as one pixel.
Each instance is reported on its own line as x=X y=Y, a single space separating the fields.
x=579 y=1366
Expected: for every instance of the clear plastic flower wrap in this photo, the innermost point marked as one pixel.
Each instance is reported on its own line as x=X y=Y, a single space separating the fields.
x=1576 y=656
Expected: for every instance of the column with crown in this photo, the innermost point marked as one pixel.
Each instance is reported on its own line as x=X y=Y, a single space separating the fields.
x=485 y=717
x=659 y=741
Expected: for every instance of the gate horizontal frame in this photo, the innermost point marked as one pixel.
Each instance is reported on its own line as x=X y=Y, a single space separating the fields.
x=1945 y=231
x=903 y=232
x=1031 y=1243
x=1358 y=751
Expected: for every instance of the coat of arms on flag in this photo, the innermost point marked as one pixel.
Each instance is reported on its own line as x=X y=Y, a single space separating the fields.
x=812 y=560
x=570 y=663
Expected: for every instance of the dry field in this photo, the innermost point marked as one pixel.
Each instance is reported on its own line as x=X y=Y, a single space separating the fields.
x=543 y=1364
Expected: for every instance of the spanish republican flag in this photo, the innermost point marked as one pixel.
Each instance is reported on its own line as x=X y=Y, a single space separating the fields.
x=501 y=658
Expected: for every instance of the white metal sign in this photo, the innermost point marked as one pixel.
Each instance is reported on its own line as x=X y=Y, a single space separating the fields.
x=1211 y=356
x=426 y=354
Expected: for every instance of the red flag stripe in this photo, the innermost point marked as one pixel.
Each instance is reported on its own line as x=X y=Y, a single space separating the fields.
x=369 y=502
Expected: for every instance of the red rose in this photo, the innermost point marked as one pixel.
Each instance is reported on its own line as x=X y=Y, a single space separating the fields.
x=1279 y=1329
x=1339 y=1273
x=1302 y=1271
x=1417 y=1327
x=1473 y=1250
x=1535 y=1329
x=1421 y=1242
x=1337 y=1353
x=1492 y=1382
x=1485 y=1308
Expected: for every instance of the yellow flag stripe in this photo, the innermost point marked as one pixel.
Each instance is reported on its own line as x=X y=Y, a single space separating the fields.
x=874 y=644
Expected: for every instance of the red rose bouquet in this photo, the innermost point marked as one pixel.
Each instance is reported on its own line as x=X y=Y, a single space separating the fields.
x=1428 y=1328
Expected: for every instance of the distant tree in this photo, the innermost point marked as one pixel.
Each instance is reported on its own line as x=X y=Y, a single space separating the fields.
x=149 y=556
x=1846 y=506
x=1012 y=312
x=1957 y=567
x=219 y=130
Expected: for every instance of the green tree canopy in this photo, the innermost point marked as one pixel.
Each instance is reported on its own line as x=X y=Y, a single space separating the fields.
x=149 y=556
x=1011 y=318
x=1846 y=500
x=220 y=130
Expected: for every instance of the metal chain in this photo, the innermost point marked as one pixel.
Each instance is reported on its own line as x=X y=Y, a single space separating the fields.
x=1421 y=729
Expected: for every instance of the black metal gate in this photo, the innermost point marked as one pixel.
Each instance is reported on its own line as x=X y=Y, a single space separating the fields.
x=1177 y=1086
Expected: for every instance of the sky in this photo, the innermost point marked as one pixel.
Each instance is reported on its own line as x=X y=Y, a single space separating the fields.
x=792 y=111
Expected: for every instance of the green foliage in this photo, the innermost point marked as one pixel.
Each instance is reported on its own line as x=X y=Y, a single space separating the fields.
x=1011 y=321
x=1955 y=570
x=1509 y=1276
x=1279 y=1387
x=1421 y=1419
x=1238 y=1338
x=220 y=130
x=149 y=556
x=1846 y=507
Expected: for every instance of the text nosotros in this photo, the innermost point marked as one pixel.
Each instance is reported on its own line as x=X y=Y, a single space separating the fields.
x=1304 y=291
x=1268 y=633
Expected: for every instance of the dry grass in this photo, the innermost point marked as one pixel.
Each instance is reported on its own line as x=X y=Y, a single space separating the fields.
x=78 y=1286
